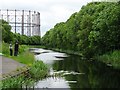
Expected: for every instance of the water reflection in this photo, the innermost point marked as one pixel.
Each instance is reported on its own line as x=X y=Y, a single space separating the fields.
x=50 y=56
x=73 y=72
x=97 y=74
x=51 y=82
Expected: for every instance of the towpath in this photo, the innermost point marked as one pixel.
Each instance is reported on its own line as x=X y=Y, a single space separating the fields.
x=8 y=65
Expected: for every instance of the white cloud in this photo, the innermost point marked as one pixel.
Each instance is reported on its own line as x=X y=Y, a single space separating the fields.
x=52 y=11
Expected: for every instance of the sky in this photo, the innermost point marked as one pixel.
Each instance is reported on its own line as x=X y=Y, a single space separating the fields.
x=52 y=11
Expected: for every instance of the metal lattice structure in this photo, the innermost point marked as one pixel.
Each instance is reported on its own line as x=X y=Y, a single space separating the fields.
x=105 y=0
x=22 y=21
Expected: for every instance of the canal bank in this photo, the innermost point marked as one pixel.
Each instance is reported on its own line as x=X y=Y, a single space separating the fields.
x=9 y=67
x=111 y=58
x=17 y=76
x=24 y=77
x=72 y=71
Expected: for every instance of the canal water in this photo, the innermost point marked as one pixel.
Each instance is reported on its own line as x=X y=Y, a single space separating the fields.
x=71 y=71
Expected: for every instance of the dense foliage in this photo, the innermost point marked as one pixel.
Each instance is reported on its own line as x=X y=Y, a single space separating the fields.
x=95 y=29
x=5 y=28
x=8 y=36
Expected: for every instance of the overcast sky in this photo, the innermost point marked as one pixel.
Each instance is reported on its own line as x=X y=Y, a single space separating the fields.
x=52 y=11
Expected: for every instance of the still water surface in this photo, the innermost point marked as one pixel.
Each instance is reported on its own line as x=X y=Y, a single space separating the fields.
x=70 y=71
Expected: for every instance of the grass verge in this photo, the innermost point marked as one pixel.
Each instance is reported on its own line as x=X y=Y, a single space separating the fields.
x=25 y=58
x=38 y=70
x=112 y=58
x=17 y=82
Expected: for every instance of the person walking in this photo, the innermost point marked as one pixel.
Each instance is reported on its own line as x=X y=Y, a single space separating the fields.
x=16 y=48
x=11 y=49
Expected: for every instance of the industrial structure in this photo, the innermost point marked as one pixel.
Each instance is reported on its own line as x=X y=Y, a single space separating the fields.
x=105 y=0
x=23 y=22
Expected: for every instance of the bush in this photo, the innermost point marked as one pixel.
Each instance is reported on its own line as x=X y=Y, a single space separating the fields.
x=22 y=48
x=13 y=82
x=5 y=48
x=38 y=70
x=112 y=58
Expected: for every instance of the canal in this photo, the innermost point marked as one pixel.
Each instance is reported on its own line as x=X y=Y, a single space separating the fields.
x=71 y=71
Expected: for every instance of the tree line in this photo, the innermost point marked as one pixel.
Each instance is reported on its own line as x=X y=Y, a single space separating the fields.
x=8 y=36
x=94 y=30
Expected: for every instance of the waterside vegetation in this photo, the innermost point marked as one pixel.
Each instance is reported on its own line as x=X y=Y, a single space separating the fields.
x=93 y=31
x=36 y=72
x=111 y=59
x=37 y=69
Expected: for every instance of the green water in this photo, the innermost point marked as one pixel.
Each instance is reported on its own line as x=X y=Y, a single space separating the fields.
x=96 y=74
x=77 y=72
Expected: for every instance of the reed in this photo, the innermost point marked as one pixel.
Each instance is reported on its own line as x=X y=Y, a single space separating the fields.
x=112 y=58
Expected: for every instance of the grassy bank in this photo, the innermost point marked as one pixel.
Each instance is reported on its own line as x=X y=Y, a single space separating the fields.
x=111 y=58
x=25 y=58
x=37 y=69
x=6 y=52
x=57 y=49
x=67 y=51
x=37 y=46
x=24 y=55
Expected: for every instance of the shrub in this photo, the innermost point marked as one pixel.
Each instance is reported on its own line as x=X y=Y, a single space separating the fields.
x=38 y=70
x=5 y=48
x=112 y=58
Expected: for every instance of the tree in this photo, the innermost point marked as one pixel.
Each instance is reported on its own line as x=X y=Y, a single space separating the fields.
x=5 y=28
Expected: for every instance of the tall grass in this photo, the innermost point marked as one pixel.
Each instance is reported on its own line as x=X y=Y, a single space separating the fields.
x=17 y=82
x=23 y=48
x=38 y=70
x=1 y=84
x=112 y=58
x=5 y=48
x=24 y=56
